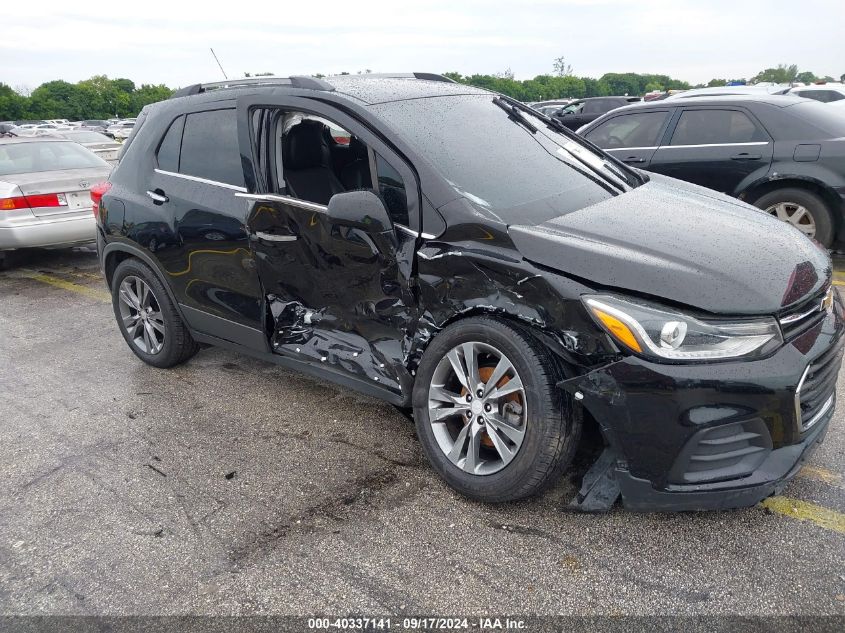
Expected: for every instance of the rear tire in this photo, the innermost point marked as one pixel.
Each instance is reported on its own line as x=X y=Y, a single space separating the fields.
x=147 y=318
x=786 y=204
x=506 y=465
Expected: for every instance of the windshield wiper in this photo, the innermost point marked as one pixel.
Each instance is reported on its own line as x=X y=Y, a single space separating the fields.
x=619 y=170
x=515 y=115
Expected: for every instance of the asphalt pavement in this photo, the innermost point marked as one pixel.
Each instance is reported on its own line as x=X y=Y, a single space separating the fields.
x=231 y=486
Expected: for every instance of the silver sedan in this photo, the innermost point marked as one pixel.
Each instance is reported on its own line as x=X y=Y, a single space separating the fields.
x=44 y=192
x=104 y=147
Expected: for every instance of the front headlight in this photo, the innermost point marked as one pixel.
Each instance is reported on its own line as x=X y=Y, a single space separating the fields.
x=664 y=333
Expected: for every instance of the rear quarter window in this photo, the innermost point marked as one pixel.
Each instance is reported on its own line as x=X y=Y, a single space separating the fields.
x=167 y=156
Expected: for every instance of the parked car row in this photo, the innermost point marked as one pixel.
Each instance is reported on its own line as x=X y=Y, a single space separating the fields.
x=118 y=129
x=784 y=154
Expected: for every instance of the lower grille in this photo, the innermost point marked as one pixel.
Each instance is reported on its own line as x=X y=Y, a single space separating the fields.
x=816 y=391
x=722 y=452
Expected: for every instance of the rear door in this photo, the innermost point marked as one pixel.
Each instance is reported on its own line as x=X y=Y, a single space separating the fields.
x=339 y=297
x=196 y=227
x=717 y=147
x=632 y=137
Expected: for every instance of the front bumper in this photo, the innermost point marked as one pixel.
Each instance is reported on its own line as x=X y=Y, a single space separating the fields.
x=768 y=479
x=705 y=437
x=53 y=230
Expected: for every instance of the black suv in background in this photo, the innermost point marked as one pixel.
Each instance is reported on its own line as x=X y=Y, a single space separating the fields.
x=780 y=153
x=450 y=250
x=584 y=111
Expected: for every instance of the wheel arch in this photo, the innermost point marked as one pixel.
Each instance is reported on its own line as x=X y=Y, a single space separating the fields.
x=117 y=252
x=762 y=187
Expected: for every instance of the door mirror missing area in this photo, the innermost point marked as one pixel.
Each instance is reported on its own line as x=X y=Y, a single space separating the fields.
x=360 y=209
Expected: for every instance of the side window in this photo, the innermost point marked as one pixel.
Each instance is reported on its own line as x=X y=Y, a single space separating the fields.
x=210 y=147
x=167 y=156
x=595 y=106
x=714 y=127
x=573 y=108
x=392 y=190
x=629 y=130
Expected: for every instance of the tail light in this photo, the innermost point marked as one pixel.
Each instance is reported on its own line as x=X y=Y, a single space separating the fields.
x=97 y=193
x=33 y=201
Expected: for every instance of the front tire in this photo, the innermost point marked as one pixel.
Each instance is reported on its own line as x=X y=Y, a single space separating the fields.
x=488 y=413
x=147 y=318
x=803 y=209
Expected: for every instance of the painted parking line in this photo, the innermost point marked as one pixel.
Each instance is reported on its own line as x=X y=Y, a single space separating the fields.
x=45 y=278
x=821 y=474
x=805 y=511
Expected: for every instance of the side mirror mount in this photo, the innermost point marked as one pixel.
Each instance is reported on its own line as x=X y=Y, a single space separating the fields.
x=359 y=209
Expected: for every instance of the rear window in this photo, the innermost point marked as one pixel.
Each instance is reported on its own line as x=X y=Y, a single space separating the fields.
x=210 y=147
x=22 y=158
x=829 y=119
x=88 y=137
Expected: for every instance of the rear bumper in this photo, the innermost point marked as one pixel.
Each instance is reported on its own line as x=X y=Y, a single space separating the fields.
x=48 y=231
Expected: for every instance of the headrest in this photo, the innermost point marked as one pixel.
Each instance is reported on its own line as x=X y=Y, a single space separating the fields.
x=357 y=148
x=304 y=145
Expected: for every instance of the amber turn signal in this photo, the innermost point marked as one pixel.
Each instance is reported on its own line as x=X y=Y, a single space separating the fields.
x=618 y=329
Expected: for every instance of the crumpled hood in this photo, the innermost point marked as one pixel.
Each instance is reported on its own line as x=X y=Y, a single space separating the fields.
x=685 y=244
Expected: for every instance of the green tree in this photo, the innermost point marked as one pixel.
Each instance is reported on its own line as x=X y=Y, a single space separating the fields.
x=147 y=94
x=783 y=74
x=715 y=83
x=805 y=77
x=13 y=106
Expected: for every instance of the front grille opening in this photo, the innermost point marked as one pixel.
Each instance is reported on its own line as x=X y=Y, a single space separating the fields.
x=816 y=392
x=722 y=452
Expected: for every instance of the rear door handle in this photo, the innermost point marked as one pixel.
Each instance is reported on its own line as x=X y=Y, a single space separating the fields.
x=633 y=159
x=272 y=237
x=157 y=196
x=746 y=156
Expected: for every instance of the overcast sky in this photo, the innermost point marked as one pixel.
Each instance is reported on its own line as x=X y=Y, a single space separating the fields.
x=168 y=42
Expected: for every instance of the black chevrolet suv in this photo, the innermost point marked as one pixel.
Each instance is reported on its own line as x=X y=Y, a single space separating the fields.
x=453 y=252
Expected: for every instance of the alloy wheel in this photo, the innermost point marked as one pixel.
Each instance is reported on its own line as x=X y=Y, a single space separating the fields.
x=477 y=408
x=796 y=215
x=140 y=315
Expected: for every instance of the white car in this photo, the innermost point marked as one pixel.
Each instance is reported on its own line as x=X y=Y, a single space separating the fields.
x=722 y=91
x=826 y=93
x=120 y=131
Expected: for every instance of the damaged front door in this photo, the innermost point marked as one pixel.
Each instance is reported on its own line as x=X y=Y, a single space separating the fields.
x=337 y=282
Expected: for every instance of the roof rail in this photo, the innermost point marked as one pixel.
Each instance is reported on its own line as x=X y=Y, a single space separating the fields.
x=311 y=83
x=296 y=81
x=427 y=76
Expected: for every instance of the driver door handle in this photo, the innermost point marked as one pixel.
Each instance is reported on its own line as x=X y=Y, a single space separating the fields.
x=633 y=159
x=272 y=237
x=746 y=156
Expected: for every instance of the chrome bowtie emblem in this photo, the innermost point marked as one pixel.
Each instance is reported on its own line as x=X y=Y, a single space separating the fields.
x=84 y=184
x=827 y=302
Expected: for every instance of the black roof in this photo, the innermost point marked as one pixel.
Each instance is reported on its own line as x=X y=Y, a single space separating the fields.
x=781 y=101
x=368 y=88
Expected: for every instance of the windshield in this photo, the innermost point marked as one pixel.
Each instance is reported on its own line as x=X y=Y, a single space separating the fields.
x=88 y=137
x=497 y=162
x=22 y=158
